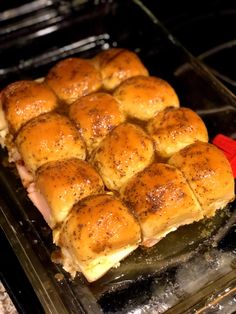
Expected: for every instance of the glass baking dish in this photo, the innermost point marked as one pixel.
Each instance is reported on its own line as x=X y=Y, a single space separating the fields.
x=190 y=270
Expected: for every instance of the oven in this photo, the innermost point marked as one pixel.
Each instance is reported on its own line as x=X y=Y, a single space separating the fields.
x=192 y=270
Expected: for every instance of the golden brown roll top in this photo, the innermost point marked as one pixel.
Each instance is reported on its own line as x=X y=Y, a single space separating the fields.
x=49 y=137
x=174 y=128
x=95 y=116
x=97 y=234
x=72 y=78
x=143 y=97
x=25 y=100
x=63 y=183
x=162 y=200
x=208 y=173
x=117 y=65
x=126 y=150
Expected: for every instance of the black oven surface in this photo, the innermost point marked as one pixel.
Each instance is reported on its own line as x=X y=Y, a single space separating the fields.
x=206 y=29
x=193 y=266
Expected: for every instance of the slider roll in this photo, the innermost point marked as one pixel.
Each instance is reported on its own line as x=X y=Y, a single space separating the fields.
x=95 y=116
x=25 y=100
x=117 y=65
x=49 y=137
x=208 y=173
x=143 y=97
x=62 y=184
x=97 y=234
x=73 y=78
x=162 y=200
x=174 y=128
x=126 y=150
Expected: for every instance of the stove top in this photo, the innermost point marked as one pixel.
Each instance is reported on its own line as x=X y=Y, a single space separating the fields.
x=207 y=30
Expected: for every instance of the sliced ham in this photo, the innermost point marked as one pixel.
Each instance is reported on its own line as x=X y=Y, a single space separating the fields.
x=39 y=202
x=25 y=175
